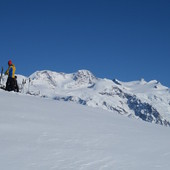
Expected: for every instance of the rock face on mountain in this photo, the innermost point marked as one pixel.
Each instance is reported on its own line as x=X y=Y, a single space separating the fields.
x=148 y=101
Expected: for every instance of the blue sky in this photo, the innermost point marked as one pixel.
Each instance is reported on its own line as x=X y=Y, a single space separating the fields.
x=123 y=39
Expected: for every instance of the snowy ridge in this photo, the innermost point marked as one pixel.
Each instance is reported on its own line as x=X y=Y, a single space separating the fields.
x=148 y=101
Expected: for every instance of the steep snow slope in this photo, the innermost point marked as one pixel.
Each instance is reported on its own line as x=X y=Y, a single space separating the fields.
x=149 y=101
x=41 y=134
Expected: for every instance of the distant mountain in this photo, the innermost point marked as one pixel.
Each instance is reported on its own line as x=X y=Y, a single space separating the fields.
x=148 y=101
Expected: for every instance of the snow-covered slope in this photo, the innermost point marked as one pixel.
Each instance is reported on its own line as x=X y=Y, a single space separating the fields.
x=149 y=101
x=43 y=134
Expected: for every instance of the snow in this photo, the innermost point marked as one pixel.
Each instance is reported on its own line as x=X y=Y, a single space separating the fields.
x=148 y=101
x=152 y=92
x=44 y=134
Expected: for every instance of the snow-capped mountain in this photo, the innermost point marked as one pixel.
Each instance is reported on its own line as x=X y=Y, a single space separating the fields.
x=148 y=101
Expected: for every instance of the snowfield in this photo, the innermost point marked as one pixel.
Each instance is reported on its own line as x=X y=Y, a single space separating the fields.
x=45 y=134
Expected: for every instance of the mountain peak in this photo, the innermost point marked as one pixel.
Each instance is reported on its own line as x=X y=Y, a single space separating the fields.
x=84 y=76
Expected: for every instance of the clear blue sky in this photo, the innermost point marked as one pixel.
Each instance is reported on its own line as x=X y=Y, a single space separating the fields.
x=123 y=39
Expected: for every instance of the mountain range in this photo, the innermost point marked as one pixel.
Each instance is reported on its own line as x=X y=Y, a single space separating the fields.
x=147 y=101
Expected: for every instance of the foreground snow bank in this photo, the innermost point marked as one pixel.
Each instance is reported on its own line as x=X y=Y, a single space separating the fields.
x=43 y=134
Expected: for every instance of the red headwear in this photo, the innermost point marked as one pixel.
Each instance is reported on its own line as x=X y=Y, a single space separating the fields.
x=9 y=62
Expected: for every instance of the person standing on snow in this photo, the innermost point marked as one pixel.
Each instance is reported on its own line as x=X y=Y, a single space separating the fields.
x=10 y=84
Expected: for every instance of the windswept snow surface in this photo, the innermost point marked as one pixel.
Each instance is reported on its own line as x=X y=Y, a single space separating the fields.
x=44 y=134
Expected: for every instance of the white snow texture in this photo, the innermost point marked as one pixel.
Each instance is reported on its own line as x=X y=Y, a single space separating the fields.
x=45 y=134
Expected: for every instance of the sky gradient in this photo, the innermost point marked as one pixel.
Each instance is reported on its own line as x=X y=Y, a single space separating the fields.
x=122 y=39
